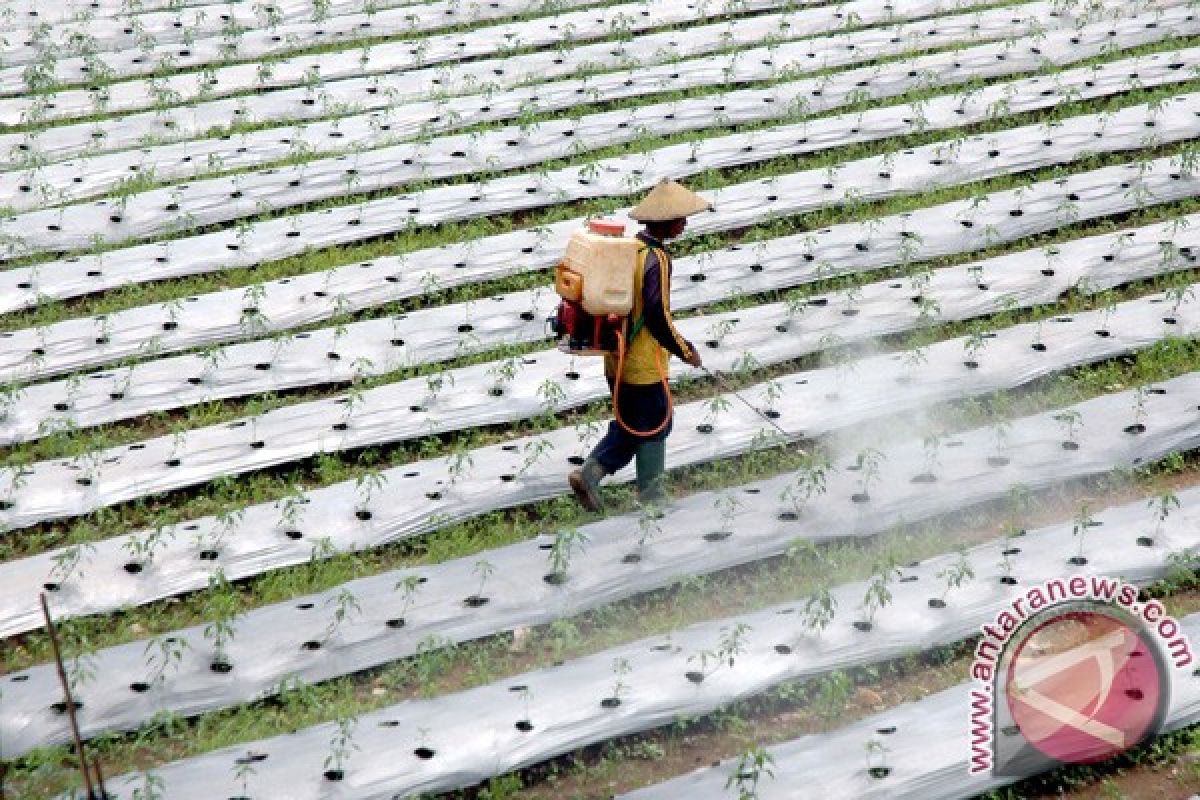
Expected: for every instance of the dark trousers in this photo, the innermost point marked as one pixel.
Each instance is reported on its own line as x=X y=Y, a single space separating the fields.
x=643 y=407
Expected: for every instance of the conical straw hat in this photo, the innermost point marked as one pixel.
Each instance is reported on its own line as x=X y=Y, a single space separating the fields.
x=669 y=200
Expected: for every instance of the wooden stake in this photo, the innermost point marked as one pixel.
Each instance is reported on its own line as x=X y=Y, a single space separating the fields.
x=62 y=677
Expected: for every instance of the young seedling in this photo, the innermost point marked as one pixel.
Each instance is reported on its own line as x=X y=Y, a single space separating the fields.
x=620 y=669
x=79 y=654
x=877 y=766
x=162 y=653
x=1109 y=300
x=345 y=606
x=1079 y=527
x=484 y=569
x=291 y=508
x=552 y=395
x=730 y=645
x=567 y=543
x=1160 y=507
x=749 y=770
x=243 y=770
x=223 y=608
x=713 y=408
x=867 y=462
x=534 y=452
x=503 y=374
x=810 y=481
x=1139 y=411
x=953 y=577
x=931 y=444
x=1071 y=420
x=459 y=463
x=408 y=586
x=1007 y=551
x=213 y=356
x=717 y=331
x=366 y=486
x=877 y=595
x=525 y=724
x=1178 y=295
x=727 y=506
x=819 y=609
x=67 y=564
x=227 y=521
x=973 y=347
x=141 y=549
x=341 y=747
x=435 y=382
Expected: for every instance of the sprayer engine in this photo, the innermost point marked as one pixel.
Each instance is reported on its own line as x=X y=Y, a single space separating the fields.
x=596 y=283
x=581 y=333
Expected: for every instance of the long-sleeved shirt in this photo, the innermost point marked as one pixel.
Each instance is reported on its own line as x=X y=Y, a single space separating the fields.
x=658 y=329
x=656 y=306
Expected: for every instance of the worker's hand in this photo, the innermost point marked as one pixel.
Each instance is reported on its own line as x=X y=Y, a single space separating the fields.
x=695 y=360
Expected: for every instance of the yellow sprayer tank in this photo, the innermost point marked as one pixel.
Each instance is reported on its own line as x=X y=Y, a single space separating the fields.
x=598 y=268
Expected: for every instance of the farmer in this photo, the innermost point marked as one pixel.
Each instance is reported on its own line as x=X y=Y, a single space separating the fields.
x=643 y=404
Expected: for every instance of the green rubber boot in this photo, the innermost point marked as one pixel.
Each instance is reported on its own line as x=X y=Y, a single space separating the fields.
x=651 y=480
x=585 y=482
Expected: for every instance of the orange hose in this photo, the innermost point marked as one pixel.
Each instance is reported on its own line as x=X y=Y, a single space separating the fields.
x=662 y=373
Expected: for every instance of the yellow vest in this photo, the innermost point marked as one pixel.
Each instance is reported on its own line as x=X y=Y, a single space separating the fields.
x=642 y=354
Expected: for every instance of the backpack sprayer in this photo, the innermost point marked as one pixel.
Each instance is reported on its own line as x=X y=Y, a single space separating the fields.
x=597 y=280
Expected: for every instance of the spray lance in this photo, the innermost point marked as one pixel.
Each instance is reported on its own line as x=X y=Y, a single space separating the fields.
x=723 y=386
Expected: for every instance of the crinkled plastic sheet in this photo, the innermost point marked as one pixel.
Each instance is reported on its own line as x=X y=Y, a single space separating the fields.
x=97 y=480
x=964 y=160
x=511 y=147
x=809 y=404
x=67 y=11
x=490 y=75
x=208 y=202
x=461 y=739
x=830 y=765
x=377 y=346
x=116 y=39
x=273 y=638
x=305 y=299
x=392 y=122
x=403 y=56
